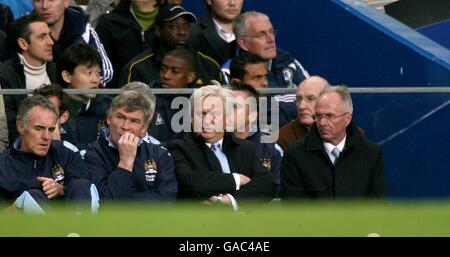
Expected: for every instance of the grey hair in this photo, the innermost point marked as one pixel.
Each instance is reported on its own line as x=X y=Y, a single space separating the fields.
x=343 y=92
x=240 y=23
x=144 y=89
x=28 y=104
x=210 y=90
x=132 y=100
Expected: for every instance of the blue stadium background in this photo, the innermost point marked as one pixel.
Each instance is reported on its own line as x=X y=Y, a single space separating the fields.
x=354 y=44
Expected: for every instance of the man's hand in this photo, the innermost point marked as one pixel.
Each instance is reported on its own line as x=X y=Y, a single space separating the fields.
x=244 y=179
x=51 y=188
x=127 y=145
x=225 y=200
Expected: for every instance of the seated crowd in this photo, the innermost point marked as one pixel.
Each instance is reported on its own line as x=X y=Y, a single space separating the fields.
x=223 y=144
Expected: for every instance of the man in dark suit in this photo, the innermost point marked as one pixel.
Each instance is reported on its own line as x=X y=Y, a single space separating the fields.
x=334 y=160
x=212 y=164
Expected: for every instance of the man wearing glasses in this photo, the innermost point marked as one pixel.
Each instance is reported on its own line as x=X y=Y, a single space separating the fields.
x=255 y=34
x=334 y=160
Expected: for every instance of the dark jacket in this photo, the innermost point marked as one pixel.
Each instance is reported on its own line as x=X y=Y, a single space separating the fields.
x=84 y=126
x=285 y=71
x=18 y=170
x=200 y=175
x=204 y=38
x=145 y=68
x=153 y=177
x=269 y=157
x=160 y=126
x=76 y=26
x=307 y=171
x=122 y=37
x=12 y=76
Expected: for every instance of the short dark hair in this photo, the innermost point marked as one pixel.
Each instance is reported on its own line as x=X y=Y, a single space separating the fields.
x=75 y=55
x=238 y=63
x=20 y=28
x=239 y=86
x=184 y=54
x=55 y=90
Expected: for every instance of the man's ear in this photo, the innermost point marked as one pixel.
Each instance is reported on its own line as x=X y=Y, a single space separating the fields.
x=191 y=77
x=108 y=118
x=66 y=76
x=23 y=44
x=64 y=117
x=241 y=43
x=349 y=118
x=20 y=127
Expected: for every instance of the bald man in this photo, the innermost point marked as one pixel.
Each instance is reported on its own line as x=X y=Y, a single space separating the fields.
x=306 y=95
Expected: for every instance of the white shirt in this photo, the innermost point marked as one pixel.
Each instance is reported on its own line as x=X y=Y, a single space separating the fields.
x=329 y=147
x=236 y=177
x=223 y=34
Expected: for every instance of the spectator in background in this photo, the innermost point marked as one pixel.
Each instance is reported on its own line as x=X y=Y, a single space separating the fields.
x=29 y=67
x=125 y=167
x=127 y=31
x=172 y=30
x=255 y=34
x=38 y=168
x=96 y=8
x=79 y=68
x=213 y=33
x=55 y=94
x=251 y=69
x=333 y=160
x=69 y=25
x=306 y=96
x=213 y=165
x=245 y=121
x=177 y=71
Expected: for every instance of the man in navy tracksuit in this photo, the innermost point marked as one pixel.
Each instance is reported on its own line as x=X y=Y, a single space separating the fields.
x=245 y=127
x=123 y=165
x=38 y=166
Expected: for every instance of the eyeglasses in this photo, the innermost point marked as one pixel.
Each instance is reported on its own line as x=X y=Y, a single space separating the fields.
x=263 y=34
x=328 y=116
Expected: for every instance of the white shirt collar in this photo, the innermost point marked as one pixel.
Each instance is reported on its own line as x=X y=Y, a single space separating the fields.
x=223 y=34
x=329 y=146
x=218 y=142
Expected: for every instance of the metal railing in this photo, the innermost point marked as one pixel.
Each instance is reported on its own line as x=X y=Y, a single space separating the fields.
x=371 y=90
